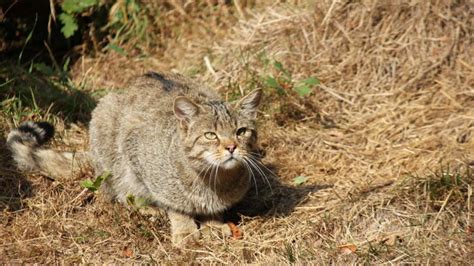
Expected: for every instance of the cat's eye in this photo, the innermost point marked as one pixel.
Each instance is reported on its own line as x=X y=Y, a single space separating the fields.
x=210 y=135
x=244 y=132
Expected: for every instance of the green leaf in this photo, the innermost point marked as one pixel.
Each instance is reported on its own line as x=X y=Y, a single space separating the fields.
x=28 y=38
x=300 y=180
x=101 y=178
x=140 y=201
x=77 y=6
x=311 y=81
x=88 y=184
x=43 y=68
x=137 y=202
x=69 y=25
x=272 y=82
x=66 y=64
x=117 y=49
x=278 y=65
x=130 y=199
x=303 y=90
x=95 y=185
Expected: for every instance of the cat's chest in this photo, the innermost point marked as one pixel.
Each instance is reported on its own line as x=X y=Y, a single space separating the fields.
x=209 y=198
x=208 y=202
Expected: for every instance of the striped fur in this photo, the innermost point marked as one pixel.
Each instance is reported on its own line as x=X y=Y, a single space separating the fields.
x=168 y=140
x=24 y=144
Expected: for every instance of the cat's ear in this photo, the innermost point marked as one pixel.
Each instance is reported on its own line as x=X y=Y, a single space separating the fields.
x=248 y=106
x=184 y=108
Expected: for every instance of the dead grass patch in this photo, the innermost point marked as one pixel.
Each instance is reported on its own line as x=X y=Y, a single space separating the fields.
x=386 y=142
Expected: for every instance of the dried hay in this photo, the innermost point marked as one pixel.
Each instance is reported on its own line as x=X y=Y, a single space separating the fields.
x=387 y=145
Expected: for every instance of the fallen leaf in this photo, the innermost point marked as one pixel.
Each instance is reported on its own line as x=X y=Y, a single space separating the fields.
x=236 y=232
x=347 y=249
x=127 y=252
x=300 y=180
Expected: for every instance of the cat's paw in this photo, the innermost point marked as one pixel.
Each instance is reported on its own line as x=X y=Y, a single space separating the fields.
x=215 y=229
x=183 y=237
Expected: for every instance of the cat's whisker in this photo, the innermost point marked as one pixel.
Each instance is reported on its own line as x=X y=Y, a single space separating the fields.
x=251 y=174
x=256 y=159
x=215 y=176
x=256 y=164
x=265 y=170
x=198 y=176
x=214 y=168
x=256 y=154
x=257 y=168
x=204 y=172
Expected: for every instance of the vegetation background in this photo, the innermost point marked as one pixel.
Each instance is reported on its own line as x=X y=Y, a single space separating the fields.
x=368 y=123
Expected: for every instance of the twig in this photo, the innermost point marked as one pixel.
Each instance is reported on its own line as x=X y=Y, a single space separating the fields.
x=209 y=67
x=239 y=8
x=333 y=93
x=328 y=14
x=178 y=7
x=440 y=210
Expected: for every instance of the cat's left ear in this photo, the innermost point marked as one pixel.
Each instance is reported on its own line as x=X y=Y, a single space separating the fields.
x=248 y=106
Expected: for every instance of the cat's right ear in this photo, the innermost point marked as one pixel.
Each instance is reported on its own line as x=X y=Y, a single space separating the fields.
x=248 y=105
x=184 y=108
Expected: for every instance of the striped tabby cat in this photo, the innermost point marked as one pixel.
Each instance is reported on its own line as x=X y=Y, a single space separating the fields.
x=168 y=140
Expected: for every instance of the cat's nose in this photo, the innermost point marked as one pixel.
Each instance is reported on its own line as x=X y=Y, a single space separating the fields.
x=231 y=148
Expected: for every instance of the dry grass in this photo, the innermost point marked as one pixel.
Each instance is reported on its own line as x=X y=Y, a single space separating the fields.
x=386 y=140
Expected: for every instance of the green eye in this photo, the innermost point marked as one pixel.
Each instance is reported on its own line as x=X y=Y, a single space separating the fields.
x=210 y=135
x=243 y=131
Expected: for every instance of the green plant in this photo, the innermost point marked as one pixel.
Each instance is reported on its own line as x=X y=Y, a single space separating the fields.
x=37 y=90
x=137 y=202
x=145 y=232
x=290 y=253
x=70 y=10
x=282 y=81
x=95 y=185
x=447 y=179
x=128 y=21
x=17 y=108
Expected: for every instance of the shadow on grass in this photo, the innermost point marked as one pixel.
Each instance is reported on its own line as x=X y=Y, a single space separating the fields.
x=271 y=197
x=36 y=89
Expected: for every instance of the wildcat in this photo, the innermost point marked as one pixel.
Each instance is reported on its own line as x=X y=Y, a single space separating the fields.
x=168 y=140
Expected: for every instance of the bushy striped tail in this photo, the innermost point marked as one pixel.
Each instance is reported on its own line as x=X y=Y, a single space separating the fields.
x=25 y=145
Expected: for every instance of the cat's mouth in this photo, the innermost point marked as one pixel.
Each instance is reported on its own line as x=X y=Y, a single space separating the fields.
x=229 y=162
x=229 y=159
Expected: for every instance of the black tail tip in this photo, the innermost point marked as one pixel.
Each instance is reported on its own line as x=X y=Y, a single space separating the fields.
x=154 y=75
x=42 y=131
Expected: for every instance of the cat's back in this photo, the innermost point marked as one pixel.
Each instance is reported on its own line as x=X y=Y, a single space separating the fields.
x=158 y=91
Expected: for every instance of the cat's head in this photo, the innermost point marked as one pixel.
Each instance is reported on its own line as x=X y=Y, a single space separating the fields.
x=219 y=133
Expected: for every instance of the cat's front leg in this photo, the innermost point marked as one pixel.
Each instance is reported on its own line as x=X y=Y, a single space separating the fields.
x=183 y=229
x=215 y=225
